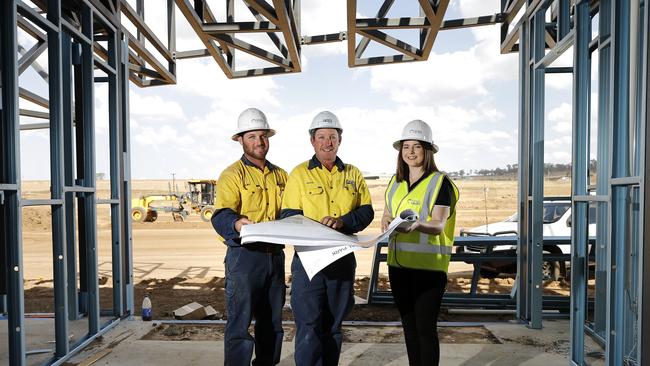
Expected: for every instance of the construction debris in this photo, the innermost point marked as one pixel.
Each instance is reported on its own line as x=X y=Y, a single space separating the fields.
x=195 y=311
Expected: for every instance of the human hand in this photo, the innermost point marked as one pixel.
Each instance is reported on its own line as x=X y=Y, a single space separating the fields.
x=241 y=222
x=333 y=222
x=408 y=229
x=385 y=221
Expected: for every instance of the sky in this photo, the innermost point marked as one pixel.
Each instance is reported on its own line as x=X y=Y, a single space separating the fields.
x=467 y=91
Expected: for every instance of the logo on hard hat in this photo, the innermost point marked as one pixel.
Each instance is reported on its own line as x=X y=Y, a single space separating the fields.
x=258 y=120
x=416 y=132
x=327 y=120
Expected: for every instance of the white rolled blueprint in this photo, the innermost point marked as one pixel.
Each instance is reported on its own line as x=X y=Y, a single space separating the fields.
x=316 y=244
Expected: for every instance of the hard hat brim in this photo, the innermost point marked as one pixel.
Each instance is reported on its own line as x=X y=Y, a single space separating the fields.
x=270 y=132
x=396 y=144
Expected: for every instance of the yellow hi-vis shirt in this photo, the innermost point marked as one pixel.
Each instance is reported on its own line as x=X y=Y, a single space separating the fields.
x=319 y=192
x=415 y=249
x=250 y=191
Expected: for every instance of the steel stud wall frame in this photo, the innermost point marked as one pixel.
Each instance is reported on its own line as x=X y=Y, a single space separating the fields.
x=86 y=38
x=619 y=318
x=71 y=37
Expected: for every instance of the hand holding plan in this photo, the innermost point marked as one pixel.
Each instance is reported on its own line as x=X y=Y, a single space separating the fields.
x=317 y=245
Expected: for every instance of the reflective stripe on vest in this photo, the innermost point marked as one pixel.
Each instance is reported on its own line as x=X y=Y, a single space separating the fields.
x=392 y=188
x=420 y=250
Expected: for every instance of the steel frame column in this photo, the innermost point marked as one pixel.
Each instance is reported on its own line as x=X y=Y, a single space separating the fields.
x=602 y=166
x=524 y=171
x=580 y=177
x=644 y=257
x=619 y=167
x=536 y=241
x=125 y=175
x=69 y=200
x=55 y=81
x=89 y=198
x=10 y=175
x=115 y=167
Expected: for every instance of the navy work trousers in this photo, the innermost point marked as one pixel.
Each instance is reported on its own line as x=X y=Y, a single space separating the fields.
x=319 y=307
x=254 y=288
x=418 y=296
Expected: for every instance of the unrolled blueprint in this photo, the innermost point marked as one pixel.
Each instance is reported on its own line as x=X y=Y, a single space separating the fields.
x=316 y=244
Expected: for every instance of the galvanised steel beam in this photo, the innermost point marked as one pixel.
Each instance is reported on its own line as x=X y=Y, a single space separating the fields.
x=272 y=36
x=171 y=33
x=370 y=29
x=523 y=189
x=144 y=32
x=29 y=56
x=644 y=257
x=392 y=42
x=196 y=23
x=580 y=178
x=69 y=179
x=363 y=44
x=125 y=174
x=33 y=97
x=291 y=36
x=89 y=239
x=324 y=38
x=115 y=157
x=472 y=22
x=241 y=27
x=11 y=218
x=603 y=166
x=535 y=244
x=57 y=179
x=619 y=168
x=435 y=12
x=253 y=50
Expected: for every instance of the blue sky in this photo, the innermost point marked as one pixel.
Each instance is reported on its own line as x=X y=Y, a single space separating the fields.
x=467 y=91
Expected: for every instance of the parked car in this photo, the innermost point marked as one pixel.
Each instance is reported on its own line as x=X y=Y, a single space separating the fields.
x=556 y=223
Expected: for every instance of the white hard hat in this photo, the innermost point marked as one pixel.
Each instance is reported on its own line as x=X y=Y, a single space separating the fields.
x=252 y=119
x=325 y=119
x=416 y=130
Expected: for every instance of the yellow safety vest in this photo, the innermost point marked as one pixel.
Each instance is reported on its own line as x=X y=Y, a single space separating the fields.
x=250 y=191
x=419 y=250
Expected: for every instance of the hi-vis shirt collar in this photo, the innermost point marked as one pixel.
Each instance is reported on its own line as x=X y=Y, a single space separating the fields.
x=315 y=163
x=249 y=163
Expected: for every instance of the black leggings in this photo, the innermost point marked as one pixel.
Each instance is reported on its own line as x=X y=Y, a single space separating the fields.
x=418 y=295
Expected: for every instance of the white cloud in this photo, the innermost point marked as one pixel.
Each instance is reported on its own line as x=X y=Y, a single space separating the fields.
x=202 y=77
x=153 y=107
x=162 y=137
x=448 y=76
x=561 y=118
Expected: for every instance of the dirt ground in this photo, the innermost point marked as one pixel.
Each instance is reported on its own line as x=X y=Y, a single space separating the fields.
x=356 y=334
x=180 y=262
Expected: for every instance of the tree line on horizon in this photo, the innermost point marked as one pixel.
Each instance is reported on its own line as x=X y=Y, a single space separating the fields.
x=556 y=170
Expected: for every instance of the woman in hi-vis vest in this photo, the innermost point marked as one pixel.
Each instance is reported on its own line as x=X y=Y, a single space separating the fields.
x=418 y=256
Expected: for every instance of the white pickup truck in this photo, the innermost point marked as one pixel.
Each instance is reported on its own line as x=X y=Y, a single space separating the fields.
x=557 y=223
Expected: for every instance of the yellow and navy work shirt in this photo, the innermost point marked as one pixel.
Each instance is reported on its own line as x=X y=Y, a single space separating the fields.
x=415 y=249
x=315 y=192
x=243 y=189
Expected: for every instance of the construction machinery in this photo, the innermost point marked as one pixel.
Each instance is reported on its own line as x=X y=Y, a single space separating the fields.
x=201 y=197
x=198 y=199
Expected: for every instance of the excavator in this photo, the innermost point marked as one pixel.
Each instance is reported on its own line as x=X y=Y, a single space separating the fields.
x=199 y=199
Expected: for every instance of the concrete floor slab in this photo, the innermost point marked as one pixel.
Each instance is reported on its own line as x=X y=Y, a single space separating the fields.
x=123 y=346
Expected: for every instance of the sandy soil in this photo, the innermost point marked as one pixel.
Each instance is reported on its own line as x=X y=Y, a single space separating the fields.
x=180 y=262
